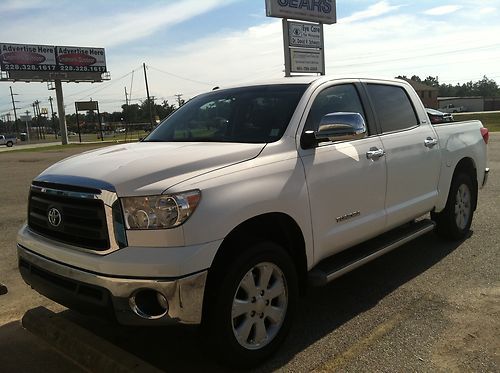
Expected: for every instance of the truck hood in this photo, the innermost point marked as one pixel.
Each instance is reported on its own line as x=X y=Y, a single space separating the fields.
x=147 y=168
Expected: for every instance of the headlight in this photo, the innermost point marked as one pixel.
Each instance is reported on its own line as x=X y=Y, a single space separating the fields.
x=159 y=212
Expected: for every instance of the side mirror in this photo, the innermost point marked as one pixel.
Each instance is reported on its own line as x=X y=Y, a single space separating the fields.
x=336 y=127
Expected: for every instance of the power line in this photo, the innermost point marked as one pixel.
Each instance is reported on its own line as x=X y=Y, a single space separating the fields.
x=438 y=52
x=180 y=77
x=101 y=87
x=389 y=60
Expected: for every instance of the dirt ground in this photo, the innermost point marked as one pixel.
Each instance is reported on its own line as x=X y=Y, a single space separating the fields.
x=428 y=306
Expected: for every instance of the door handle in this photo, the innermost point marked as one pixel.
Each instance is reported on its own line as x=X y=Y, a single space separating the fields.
x=430 y=142
x=375 y=153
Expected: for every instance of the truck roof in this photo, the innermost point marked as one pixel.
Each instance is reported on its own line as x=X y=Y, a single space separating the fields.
x=303 y=80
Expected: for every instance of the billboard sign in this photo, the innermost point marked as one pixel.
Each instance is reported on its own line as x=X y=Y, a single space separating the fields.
x=305 y=35
x=81 y=59
x=321 y=11
x=24 y=57
x=306 y=61
x=45 y=58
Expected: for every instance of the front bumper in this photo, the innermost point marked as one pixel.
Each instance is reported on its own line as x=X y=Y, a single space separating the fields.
x=97 y=293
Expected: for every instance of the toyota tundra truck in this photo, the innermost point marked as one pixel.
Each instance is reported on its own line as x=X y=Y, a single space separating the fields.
x=244 y=197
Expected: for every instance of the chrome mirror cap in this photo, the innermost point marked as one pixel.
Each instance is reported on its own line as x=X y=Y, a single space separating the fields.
x=341 y=126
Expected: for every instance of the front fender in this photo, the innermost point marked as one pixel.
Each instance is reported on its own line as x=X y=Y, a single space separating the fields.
x=238 y=193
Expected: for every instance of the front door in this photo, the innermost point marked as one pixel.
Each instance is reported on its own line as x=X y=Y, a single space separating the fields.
x=346 y=187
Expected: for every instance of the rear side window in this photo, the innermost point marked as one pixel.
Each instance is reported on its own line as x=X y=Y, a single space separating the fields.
x=393 y=107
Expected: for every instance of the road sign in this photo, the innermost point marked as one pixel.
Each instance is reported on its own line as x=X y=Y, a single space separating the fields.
x=305 y=35
x=86 y=105
x=306 y=61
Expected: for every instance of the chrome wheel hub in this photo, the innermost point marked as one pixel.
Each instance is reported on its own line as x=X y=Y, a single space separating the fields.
x=259 y=306
x=463 y=206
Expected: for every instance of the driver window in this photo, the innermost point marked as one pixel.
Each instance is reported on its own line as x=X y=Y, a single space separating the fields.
x=339 y=98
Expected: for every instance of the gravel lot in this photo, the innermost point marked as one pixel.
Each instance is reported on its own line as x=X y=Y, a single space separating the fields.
x=428 y=306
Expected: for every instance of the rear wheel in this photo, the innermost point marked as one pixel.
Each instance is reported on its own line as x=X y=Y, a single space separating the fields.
x=455 y=220
x=9 y=144
x=252 y=305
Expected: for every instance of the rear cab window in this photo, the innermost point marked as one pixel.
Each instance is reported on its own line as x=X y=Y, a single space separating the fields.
x=393 y=107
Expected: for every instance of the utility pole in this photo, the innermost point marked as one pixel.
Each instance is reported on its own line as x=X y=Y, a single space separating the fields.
x=179 y=100
x=149 y=100
x=126 y=114
x=126 y=106
x=36 y=120
x=14 y=107
x=41 y=128
x=38 y=115
x=52 y=114
x=27 y=126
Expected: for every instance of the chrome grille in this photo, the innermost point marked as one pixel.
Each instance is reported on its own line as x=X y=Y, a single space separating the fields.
x=86 y=219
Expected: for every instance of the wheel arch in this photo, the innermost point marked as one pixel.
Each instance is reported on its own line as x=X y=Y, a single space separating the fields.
x=468 y=166
x=276 y=227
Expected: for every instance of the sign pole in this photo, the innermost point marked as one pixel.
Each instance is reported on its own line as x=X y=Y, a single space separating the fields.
x=15 y=113
x=61 y=112
x=322 y=48
x=286 y=47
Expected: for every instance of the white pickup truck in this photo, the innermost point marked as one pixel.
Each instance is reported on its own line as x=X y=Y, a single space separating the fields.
x=9 y=141
x=451 y=108
x=242 y=198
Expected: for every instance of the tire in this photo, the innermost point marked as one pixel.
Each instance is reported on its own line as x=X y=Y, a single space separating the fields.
x=246 y=320
x=453 y=223
x=10 y=144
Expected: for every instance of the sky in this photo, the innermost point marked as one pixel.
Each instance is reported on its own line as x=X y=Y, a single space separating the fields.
x=191 y=46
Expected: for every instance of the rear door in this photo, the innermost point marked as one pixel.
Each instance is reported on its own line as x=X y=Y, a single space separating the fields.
x=412 y=152
x=346 y=188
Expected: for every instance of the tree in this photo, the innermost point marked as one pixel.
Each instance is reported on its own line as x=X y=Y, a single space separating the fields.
x=431 y=81
x=485 y=87
x=165 y=109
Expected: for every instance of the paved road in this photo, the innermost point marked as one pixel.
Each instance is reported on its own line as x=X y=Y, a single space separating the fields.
x=22 y=145
x=428 y=306
x=27 y=146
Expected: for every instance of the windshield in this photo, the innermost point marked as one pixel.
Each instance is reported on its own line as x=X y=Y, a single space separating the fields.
x=257 y=114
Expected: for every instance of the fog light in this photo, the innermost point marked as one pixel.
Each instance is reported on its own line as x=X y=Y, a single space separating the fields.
x=149 y=304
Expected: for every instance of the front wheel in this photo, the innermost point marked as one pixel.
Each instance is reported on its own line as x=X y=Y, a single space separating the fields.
x=455 y=220
x=10 y=144
x=252 y=306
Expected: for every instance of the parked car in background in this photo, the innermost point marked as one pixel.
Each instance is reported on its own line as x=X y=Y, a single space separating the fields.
x=9 y=141
x=451 y=108
x=437 y=116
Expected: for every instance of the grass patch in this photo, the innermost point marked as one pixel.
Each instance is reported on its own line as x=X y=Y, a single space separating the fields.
x=489 y=120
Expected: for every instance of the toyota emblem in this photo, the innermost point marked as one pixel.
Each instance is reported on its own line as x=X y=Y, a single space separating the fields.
x=54 y=217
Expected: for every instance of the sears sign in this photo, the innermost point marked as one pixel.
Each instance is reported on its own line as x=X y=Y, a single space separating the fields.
x=321 y=11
